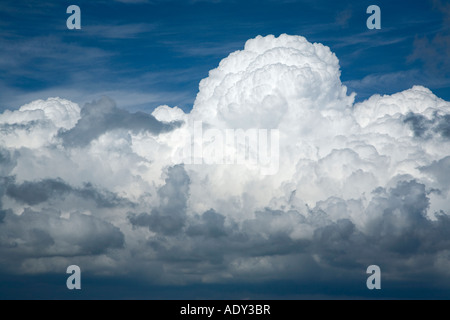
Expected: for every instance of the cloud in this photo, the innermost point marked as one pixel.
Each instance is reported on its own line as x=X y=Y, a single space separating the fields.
x=7 y=162
x=424 y=127
x=40 y=235
x=170 y=216
x=435 y=169
x=37 y=123
x=128 y=31
x=358 y=183
x=33 y=193
x=395 y=81
x=264 y=84
x=102 y=116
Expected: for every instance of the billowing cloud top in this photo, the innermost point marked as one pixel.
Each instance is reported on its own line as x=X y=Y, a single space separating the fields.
x=271 y=82
x=358 y=184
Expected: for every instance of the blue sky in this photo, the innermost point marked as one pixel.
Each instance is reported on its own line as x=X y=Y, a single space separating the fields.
x=147 y=53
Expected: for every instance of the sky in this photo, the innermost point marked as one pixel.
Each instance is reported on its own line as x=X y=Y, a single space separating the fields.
x=103 y=164
x=148 y=53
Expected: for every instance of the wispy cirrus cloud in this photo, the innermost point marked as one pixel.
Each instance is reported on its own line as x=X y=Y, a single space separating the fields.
x=119 y=31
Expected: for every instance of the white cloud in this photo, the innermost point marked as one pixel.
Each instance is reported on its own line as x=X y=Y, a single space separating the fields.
x=416 y=100
x=356 y=182
x=37 y=123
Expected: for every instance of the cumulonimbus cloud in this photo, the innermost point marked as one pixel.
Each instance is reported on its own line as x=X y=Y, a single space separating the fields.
x=357 y=184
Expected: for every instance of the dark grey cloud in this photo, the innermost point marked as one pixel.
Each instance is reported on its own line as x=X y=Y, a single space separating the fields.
x=418 y=123
x=102 y=116
x=8 y=161
x=401 y=225
x=337 y=242
x=7 y=164
x=444 y=126
x=7 y=128
x=209 y=225
x=37 y=192
x=33 y=193
x=170 y=216
x=212 y=243
x=428 y=128
x=212 y=237
x=269 y=232
x=102 y=198
x=398 y=236
x=436 y=170
x=45 y=234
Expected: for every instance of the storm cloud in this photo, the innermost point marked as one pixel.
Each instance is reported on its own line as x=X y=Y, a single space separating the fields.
x=428 y=128
x=103 y=115
x=170 y=216
x=33 y=193
x=358 y=183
